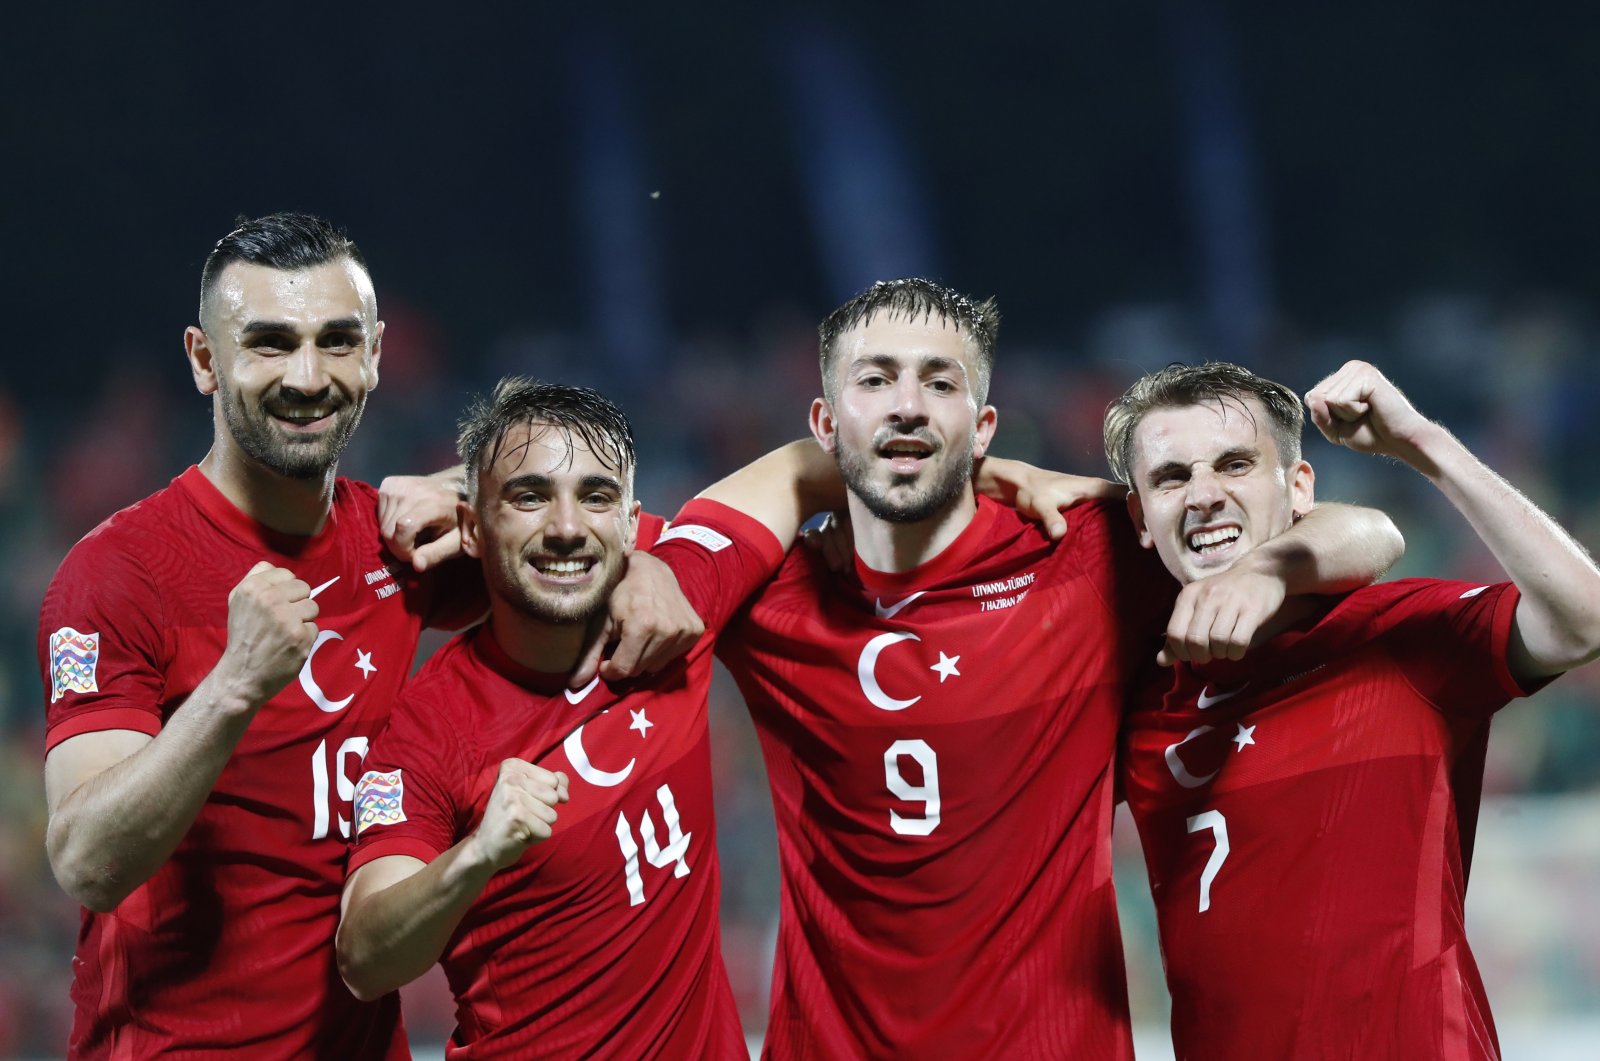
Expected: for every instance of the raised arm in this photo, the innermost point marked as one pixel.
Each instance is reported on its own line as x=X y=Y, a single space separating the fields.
x=1557 y=624
x=398 y=912
x=120 y=801
x=784 y=488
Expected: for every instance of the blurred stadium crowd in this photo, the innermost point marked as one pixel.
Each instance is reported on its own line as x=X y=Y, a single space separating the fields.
x=1518 y=380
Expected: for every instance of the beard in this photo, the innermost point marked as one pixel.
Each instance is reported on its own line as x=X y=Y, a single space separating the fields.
x=901 y=500
x=293 y=456
x=511 y=583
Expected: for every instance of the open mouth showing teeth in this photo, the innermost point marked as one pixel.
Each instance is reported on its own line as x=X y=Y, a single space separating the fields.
x=905 y=448
x=303 y=415
x=562 y=568
x=1210 y=541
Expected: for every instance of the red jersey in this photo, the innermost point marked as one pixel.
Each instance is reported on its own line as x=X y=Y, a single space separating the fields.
x=1307 y=818
x=229 y=946
x=602 y=941
x=939 y=744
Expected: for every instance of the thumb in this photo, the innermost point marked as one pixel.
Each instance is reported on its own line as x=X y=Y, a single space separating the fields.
x=589 y=663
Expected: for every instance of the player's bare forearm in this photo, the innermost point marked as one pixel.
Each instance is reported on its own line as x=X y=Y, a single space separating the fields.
x=1334 y=548
x=398 y=914
x=784 y=488
x=1558 y=618
x=120 y=804
x=121 y=801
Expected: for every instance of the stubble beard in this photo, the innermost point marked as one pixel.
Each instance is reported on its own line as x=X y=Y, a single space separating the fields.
x=257 y=434
x=554 y=607
x=943 y=487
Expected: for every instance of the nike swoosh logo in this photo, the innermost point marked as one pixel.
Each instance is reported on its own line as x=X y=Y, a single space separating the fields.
x=891 y=612
x=1206 y=700
x=322 y=587
x=577 y=697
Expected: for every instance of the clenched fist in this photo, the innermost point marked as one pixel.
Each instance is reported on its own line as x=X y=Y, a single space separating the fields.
x=271 y=629
x=521 y=811
x=1358 y=407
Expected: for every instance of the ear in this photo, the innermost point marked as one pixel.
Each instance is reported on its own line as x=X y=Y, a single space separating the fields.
x=630 y=533
x=374 y=356
x=988 y=418
x=1302 y=489
x=1136 y=513
x=823 y=426
x=467 y=520
x=202 y=359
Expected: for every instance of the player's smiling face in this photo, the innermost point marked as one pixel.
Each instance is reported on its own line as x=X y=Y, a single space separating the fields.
x=292 y=355
x=904 y=423
x=553 y=526
x=1210 y=485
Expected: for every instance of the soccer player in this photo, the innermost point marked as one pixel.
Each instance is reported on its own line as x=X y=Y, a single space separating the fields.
x=1307 y=814
x=218 y=657
x=595 y=935
x=939 y=723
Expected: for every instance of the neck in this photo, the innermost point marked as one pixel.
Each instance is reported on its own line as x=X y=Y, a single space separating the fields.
x=884 y=545
x=549 y=648
x=288 y=506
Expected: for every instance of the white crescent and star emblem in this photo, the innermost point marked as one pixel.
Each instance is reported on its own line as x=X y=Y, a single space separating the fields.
x=867 y=666
x=1180 y=773
x=308 y=681
x=579 y=759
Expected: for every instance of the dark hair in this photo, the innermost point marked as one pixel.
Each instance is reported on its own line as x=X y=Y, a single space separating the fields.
x=518 y=400
x=1212 y=383
x=912 y=297
x=285 y=240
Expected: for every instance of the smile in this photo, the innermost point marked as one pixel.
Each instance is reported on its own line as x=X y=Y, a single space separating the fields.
x=563 y=570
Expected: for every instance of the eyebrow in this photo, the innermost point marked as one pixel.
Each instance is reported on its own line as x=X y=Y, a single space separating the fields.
x=588 y=482
x=343 y=324
x=934 y=363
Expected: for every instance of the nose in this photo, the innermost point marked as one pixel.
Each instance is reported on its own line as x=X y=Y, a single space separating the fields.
x=305 y=371
x=909 y=401
x=564 y=523
x=1204 y=492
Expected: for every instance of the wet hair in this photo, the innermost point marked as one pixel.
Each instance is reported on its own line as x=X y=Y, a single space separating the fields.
x=910 y=298
x=288 y=241
x=590 y=415
x=1213 y=383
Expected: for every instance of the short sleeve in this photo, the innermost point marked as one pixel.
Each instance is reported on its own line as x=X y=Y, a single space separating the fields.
x=1451 y=640
x=407 y=801
x=720 y=557
x=102 y=651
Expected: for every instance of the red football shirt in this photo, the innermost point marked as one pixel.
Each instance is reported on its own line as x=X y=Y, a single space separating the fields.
x=1307 y=818
x=228 y=947
x=602 y=941
x=939 y=744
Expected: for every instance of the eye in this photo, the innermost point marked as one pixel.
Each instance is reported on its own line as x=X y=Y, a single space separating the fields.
x=527 y=499
x=873 y=379
x=943 y=386
x=339 y=342
x=272 y=344
x=599 y=501
x=1238 y=466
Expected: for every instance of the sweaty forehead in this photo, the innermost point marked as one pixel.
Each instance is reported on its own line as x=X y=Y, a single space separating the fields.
x=906 y=340
x=549 y=451
x=304 y=298
x=1190 y=433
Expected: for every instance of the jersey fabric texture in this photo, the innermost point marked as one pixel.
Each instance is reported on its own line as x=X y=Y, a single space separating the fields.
x=1307 y=818
x=939 y=744
x=227 y=949
x=602 y=941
